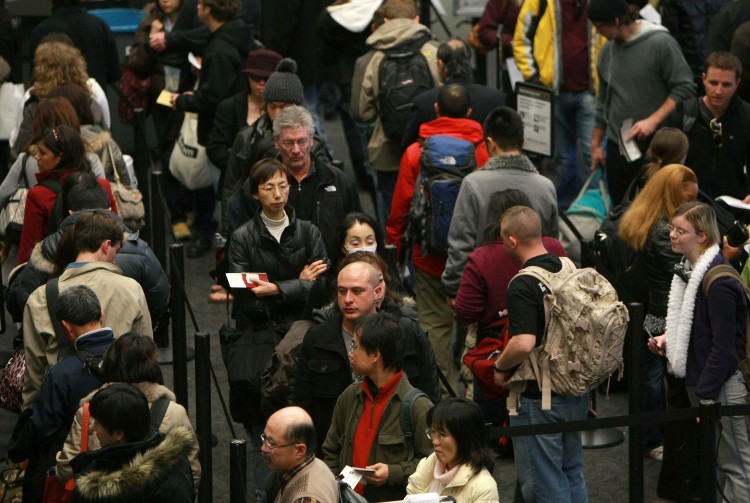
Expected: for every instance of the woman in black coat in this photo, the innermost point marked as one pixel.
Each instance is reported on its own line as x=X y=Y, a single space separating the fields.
x=292 y=255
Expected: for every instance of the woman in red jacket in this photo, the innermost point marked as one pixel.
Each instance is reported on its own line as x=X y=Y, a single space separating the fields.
x=60 y=152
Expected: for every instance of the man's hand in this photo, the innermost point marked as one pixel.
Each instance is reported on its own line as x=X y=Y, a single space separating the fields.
x=747 y=199
x=501 y=378
x=451 y=301
x=730 y=252
x=597 y=156
x=643 y=129
x=265 y=288
x=158 y=41
x=380 y=476
x=313 y=270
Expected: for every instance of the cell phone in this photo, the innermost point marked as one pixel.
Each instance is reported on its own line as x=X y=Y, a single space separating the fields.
x=364 y=470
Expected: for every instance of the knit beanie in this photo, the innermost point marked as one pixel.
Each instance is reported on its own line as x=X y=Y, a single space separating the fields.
x=284 y=85
x=606 y=10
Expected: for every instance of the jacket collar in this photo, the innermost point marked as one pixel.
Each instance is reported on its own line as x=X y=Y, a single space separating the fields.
x=513 y=161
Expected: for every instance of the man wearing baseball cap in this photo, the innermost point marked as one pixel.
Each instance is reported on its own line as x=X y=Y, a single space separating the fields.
x=642 y=77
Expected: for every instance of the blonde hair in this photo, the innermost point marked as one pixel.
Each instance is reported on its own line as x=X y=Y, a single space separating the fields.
x=57 y=63
x=658 y=200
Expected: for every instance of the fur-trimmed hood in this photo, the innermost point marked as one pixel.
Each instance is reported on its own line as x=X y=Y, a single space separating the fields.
x=132 y=470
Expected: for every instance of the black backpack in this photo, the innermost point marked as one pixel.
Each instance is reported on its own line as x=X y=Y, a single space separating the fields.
x=445 y=162
x=403 y=74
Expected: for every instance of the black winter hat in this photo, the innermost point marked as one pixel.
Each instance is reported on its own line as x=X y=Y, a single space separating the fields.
x=606 y=10
x=284 y=85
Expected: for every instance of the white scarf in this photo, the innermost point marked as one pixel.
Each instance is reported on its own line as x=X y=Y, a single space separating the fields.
x=680 y=312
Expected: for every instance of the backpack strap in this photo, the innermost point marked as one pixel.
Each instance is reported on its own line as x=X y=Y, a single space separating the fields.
x=727 y=271
x=157 y=412
x=52 y=291
x=405 y=417
x=689 y=114
x=56 y=214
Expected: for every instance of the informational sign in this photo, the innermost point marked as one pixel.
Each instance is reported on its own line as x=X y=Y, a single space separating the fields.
x=473 y=8
x=534 y=105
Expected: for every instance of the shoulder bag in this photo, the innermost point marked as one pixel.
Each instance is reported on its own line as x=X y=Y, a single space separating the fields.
x=129 y=199
x=11 y=216
x=188 y=162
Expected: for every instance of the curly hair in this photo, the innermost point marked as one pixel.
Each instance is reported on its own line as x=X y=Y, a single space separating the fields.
x=57 y=63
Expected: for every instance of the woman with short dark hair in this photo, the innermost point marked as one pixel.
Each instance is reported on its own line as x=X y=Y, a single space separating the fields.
x=462 y=463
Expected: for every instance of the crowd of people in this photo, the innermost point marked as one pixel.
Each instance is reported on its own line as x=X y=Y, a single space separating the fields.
x=348 y=326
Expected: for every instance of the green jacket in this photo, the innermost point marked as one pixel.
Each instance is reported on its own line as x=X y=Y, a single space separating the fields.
x=338 y=448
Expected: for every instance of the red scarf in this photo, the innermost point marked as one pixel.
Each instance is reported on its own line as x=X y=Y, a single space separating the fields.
x=369 y=421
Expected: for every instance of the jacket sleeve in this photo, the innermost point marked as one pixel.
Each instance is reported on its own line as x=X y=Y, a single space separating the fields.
x=214 y=85
x=302 y=390
x=24 y=129
x=403 y=194
x=676 y=72
x=236 y=165
x=472 y=293
x=193 y=40
x=35 y=349
x=295 y=291
x=10 y=182
x=523 y=40
x=723 y=302
x=155 y=284
x=334 y=438
x=399 y=473
x=177 y=416
x=364 y=88
x=428 y=370
x=461 y=238
x=222 y=134
x=48 y=415
x=420 y=480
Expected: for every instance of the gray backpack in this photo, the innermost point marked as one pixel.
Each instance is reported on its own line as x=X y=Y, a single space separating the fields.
x=583 y=341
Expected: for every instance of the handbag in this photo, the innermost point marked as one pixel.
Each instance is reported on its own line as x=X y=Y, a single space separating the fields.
x=11 y=101
x=11 y=216
x=129 y=199
x=11 y=382
x=481 y=361
x=54 y=490
x=188 y=162
x=11 y=484
x=135 y=92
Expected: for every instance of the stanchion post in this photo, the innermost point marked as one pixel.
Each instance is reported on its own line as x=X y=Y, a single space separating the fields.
x=238 y=471
x=634 y=374
x=179 y=330
x=158 y=222
x=203 y=413
x=709 y=416
x=141 y=164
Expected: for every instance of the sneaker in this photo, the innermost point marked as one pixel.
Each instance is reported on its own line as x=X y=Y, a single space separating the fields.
x=181 y=231
x=656 y=453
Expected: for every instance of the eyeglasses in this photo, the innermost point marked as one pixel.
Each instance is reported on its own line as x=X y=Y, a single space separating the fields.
x=353 y=348
x=436 y=435
x=289 y=144
x=272 y=447
x=717 y=131
x=273 y=188
x=679 y=230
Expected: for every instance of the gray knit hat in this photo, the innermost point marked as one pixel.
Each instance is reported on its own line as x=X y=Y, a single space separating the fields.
x=605 y=11
x=284 y=85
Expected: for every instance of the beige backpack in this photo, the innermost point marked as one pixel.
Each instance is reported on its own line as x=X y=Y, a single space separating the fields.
x=583 y=341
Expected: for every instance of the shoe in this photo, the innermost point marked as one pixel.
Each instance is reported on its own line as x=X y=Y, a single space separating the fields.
x=181 y=231
x=657 y=453
x=199 y=246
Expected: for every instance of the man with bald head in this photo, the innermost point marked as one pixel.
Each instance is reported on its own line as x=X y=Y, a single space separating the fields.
x=549 y=468
x=289 y=450
x=323 y=369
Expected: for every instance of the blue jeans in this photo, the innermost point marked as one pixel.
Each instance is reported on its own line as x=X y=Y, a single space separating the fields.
x=550 y=467
x=574 y=125
x=654 y=397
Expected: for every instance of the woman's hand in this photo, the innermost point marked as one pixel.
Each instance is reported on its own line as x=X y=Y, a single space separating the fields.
x=312 y=271
x=658 y=344
x=265 y=289
x=379 y=477
x=156 y=27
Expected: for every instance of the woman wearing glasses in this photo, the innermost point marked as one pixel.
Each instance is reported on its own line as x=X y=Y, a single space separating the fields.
x=705 y=330
x=291 y=253
x=645 y=227
x=462 y=463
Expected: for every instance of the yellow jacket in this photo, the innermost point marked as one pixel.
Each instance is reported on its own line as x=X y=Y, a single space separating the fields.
x=537 y=44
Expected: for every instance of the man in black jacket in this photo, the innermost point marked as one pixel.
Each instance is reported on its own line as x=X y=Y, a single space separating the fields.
x=320 y=192
x=454 y=65
x=717 y=126
x=323 y=370
x=221 y=77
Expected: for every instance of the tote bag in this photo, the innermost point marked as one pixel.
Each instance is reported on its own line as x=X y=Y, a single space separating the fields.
x=188 y=162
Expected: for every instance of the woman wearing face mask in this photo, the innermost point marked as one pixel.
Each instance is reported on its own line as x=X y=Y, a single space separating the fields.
x=704 y=330
x=462 y=464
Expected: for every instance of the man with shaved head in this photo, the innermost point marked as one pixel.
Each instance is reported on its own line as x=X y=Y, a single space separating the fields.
x=323 y=369
x=289 y=450
x=549 y=468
